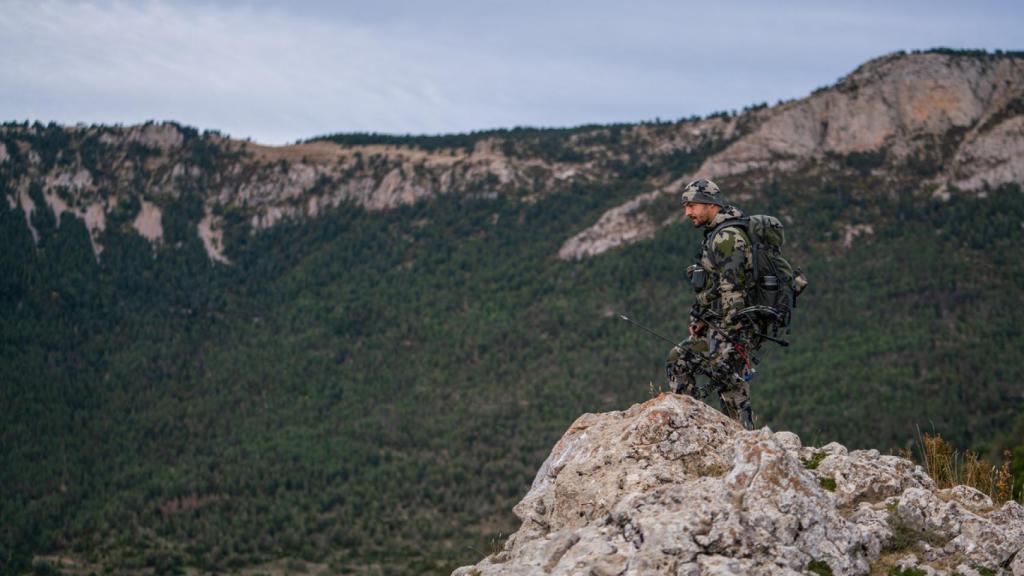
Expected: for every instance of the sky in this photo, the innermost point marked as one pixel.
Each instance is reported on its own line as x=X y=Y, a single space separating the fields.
x=279 y=72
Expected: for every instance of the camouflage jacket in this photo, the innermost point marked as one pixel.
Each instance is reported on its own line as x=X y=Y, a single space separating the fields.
x=728 y=261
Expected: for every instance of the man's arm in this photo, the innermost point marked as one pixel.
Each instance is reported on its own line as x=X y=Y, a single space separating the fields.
x=731 y=253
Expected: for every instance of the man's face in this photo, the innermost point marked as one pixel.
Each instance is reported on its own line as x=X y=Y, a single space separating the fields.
x=700 y=214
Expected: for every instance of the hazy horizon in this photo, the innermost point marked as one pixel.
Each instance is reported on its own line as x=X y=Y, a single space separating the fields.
x=278 y=73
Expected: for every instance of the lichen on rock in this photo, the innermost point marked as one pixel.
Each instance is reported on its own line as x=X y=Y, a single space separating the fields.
x=671 y=486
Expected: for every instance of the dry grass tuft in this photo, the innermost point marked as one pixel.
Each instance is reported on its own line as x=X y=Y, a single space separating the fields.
x=949 y=468
x=1004 y=480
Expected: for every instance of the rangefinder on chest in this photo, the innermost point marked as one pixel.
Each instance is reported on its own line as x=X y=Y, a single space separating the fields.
x=698 y=278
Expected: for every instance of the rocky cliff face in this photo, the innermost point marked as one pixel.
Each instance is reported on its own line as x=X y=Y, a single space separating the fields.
x=959 y=112
x=89 y=172
x=671 y=486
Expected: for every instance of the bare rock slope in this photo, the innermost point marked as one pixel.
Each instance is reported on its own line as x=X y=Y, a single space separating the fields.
x=903 y=107
x=960 y=114
x=671 y=486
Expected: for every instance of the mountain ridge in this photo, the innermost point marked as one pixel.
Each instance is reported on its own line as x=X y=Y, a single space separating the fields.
x=897 y=107
x=894 y=107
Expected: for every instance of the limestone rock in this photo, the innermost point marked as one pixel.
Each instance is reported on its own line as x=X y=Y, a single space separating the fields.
x=671 y=486
x=866 y=475
x=603 y=458
x=970 y=498
x=991 y=158
x=966 y=110
x=1017 y=566
x=896 y=103
x=621 y=225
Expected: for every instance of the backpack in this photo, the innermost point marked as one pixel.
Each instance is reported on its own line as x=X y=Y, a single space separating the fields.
x=776 y=283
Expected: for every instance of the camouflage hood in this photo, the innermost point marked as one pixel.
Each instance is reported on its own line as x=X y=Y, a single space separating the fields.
x=726 y=213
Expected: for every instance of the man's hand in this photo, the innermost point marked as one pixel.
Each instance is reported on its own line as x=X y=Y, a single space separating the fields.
x=696 y=329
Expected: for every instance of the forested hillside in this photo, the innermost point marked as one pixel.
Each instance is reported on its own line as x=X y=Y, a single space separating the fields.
x=357 y=351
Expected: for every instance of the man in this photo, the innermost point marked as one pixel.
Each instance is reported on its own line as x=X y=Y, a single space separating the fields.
x=723 y=278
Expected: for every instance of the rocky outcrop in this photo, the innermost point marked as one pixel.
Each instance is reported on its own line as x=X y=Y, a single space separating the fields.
x=991 y=157
x=159 y=136
x=671 y=486
x=621 y=225
x=887 y=103
x=899 y=105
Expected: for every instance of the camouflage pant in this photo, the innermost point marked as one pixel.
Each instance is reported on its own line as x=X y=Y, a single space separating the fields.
x=724 y=364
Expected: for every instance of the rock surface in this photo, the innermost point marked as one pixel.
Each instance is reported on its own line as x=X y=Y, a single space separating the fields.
x=671 y=486
x=898 y=105
x=960 y=116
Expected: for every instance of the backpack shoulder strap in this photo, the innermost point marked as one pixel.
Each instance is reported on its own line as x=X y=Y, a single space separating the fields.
x=742 y=223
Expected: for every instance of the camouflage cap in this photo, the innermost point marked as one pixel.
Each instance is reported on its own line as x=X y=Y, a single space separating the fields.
x=703 y=191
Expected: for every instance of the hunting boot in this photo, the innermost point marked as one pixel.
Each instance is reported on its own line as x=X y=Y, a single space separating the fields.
x=746 y=416
x=729 y=409
x=685 y=384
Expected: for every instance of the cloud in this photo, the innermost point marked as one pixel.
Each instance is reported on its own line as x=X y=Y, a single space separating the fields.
x=246 y=71
x=284 y=71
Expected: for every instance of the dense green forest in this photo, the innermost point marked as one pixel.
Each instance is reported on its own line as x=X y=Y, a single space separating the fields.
x=376 y=390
